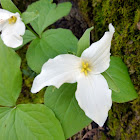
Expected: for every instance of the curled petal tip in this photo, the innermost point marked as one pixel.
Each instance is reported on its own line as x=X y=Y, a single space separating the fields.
x=111 y=28
x=32 y=91
x=17 y=14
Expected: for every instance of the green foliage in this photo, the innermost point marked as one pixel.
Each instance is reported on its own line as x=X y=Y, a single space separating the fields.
x=52 y=43
x=36 y=122
x=84 y=42
x=9 y=5
x=10 y=76
x=62 y=101
x=28 y=36
x=27 y=17
x=111 y=83
x=117 y=77
x=48 y=13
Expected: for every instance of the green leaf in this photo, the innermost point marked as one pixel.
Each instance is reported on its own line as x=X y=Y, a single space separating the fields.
x=7 y=120
x=27 y=17
x=52 y=43
x=84 y=42
x=50 y=1
x=29 y=122
x=28 y=36
x=10 y=76
x=48 y=13
x=63 y=103
x=111 y=83
x=119 y=81
x=9 y=5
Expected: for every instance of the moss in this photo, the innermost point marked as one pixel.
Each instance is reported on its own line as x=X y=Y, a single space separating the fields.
x=101 y=136
x=28 y=75
x=124 y=120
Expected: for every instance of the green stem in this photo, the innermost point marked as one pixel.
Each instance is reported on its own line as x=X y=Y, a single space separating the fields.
x=32 y=31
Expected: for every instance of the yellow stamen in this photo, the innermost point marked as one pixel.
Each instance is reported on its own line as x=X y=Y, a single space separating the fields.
x=83 y=64
x=85 y=72
x=12 y=19
x=82 y=70
x=85 y=68
x=88 y=69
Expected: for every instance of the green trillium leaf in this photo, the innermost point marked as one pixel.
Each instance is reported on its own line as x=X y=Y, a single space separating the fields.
x=111 y=83
x=27 y=17
x=50 y=1
x=28 y=36
x=9 y=5
x=52 y=43
x=29 y=122
x=48 y=13
x=10 y=76
x=63 y=103
x=119 y=81
x=84 y=42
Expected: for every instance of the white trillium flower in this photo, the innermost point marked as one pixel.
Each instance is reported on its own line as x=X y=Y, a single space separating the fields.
x=12 y=28
x=93 y=94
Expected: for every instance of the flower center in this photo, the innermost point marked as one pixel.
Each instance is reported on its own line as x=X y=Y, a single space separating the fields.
x=12 y=19
x=85 y=68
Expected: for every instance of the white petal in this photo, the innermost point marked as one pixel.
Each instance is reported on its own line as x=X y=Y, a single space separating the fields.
x=12 y=33
x=19 y=26
x=94 y=97
x=99 y=52
x=2 y=24
x=4 y=15
x=12 y=40
x=61 y=69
